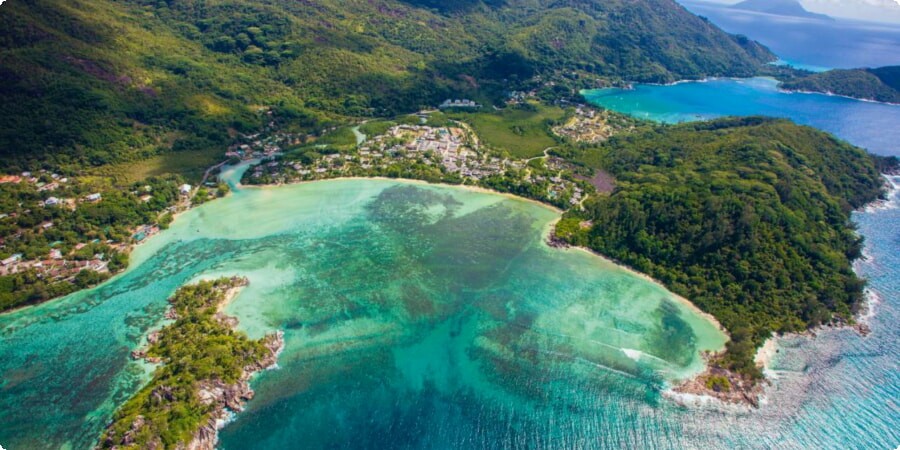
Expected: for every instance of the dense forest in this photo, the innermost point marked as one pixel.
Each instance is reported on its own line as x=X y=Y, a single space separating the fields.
x=749 y=218
x=95 y=82
x=881 y=84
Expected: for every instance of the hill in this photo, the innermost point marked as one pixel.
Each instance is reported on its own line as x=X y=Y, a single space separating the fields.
x=790 y=8
x=88 y=83
x=881 y=84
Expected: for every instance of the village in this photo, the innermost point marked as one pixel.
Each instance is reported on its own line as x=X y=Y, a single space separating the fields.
x=587 y=125
x=449 y=153
x=417 y=151
x=54 y=256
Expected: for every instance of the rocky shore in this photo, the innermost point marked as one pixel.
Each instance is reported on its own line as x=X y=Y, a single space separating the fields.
x=230 y=398
x=721 y=384
x=220 y=388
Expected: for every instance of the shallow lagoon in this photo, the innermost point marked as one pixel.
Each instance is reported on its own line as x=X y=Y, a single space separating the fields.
x=415 y=316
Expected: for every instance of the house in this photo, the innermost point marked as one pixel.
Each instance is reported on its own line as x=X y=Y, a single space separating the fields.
x=52 y=201
x=146 y=198
x=464 y=103
x=185 y=189
x=47 y=225
x=12 y=259
x=96 y=197
x=48 y=187
x=55 y=254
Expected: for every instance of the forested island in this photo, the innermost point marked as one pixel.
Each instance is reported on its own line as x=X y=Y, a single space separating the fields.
x=881 y=84
x=204 y=368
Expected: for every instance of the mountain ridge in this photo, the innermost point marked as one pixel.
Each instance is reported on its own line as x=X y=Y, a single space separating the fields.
x=92 y=83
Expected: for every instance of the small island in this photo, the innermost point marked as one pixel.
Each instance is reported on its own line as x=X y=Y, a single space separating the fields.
x=205 y=369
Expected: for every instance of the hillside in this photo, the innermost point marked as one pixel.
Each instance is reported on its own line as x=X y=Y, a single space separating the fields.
x=92 y=83
x=791 y=8
x=881 y=84
x=749 y=218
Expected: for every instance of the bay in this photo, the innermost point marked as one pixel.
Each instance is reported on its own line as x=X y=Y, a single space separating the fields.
x=873 y=126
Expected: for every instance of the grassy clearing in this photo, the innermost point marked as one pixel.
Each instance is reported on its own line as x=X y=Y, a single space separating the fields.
x=523 y=131
x=189 y=164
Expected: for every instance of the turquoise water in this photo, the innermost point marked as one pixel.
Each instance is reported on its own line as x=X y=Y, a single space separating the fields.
x=414 y=316
x=431 y=317
x=874 y=126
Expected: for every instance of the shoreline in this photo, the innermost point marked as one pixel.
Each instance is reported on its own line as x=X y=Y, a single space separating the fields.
x=686 y=302
x=468 y=187
x=777 y=87
x=689 y=393
x=224 y=400
x=833 y=94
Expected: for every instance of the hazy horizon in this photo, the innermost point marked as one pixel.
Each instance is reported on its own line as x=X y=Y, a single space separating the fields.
x=881 y=11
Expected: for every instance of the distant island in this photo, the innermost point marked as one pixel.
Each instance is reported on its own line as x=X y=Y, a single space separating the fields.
x=791 y=8
x=881 y=84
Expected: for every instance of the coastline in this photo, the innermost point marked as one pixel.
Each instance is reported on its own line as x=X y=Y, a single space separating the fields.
x=469 y=187
x=224 y=399
x=833 y=94
x=692 y=392
x=689 y=304
x=777 y=87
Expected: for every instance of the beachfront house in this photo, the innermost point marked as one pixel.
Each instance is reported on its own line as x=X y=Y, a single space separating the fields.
x=185 y=189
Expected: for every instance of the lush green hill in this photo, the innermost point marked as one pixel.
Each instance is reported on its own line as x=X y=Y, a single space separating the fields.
x=881 y=84
x=92 y=82
x=749 y=218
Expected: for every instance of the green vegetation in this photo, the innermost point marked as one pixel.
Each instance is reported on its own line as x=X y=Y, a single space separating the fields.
x=523 y=130
x=89 y=83
x=718 y=383
x=882 y=84
x=200 y=350
x=77 y=230
x=749 y=218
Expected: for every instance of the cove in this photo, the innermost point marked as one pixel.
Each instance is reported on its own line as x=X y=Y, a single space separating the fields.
x=414 y=316
x=866 y=124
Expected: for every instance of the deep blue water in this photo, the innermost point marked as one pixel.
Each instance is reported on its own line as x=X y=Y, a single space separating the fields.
x=873 y=126
x=810 y=43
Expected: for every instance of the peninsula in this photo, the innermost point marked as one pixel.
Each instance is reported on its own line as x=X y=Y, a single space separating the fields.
x=880 y=84
x=204 y=373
